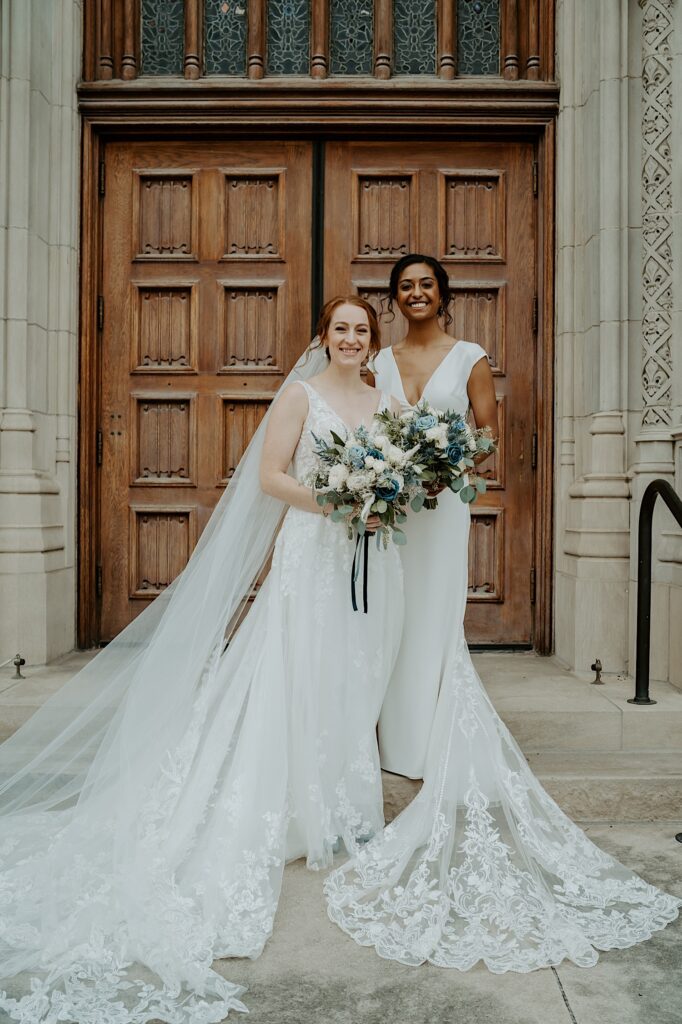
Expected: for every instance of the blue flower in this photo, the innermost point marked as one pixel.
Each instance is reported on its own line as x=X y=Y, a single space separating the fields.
x=426 y=422
x=356 y=455
x=376 y=454
x=456 y=427
x=389 y=489
x=455 y=454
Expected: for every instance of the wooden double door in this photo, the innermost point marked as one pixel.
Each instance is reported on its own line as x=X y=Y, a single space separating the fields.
x=207 y=295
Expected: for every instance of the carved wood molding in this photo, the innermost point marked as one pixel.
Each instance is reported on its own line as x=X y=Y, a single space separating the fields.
x=330 y=104
x=657 y=182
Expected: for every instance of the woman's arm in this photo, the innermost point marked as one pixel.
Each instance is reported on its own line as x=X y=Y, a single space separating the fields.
x=481 y=392
x=283 y=434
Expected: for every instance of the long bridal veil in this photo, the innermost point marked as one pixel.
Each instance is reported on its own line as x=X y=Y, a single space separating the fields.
x=80 y=903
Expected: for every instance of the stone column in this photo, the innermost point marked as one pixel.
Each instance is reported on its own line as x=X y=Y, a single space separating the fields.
x=593 y=491
x=659 y=420
x=39 y=67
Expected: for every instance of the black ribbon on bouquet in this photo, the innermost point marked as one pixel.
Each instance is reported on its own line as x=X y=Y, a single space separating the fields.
x=355 y=570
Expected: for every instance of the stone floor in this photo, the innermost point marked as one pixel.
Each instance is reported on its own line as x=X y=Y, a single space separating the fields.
x=311 y=973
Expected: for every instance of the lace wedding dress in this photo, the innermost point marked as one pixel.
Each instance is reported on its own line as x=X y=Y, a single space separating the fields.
x=177 y=859
x=482 y=865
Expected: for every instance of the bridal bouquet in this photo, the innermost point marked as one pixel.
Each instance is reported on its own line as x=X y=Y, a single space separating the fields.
x=366 y=474
x=443 y=445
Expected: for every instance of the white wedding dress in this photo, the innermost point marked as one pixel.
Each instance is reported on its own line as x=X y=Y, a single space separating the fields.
x=274 y=759
x=482 y=865
x=435 y=565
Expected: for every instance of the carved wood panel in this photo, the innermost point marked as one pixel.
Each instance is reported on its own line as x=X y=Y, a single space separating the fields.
x=239 y=421
x=466 y=199
x=164 y=327
x=251 y=326
x=486 y=554
x=164 y=437
x=165 y=216
x=472 y=216
x=254 y=207
x=161 y=541
x=190 y=355
x=383 y=214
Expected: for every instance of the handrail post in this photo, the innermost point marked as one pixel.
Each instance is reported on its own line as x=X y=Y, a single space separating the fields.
x=643 y=637
x=643 y=640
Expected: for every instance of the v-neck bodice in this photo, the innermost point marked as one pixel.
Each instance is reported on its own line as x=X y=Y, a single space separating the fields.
x=321 y=419
x=446 y=388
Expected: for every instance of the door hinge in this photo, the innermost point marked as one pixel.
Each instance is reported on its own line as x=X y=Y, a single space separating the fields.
x=100 y=312
x=535 y=177
x=100 y=447
x=98 y=580
x=534 y=451
x=534 y=317
x=101 y=182
x=532 y=585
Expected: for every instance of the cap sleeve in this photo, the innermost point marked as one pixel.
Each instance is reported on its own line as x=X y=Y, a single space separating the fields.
x=474 y=353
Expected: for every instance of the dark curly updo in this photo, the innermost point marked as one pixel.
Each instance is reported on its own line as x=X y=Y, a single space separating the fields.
x=439 y=272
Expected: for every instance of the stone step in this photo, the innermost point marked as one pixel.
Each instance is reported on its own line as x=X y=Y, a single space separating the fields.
x=590 y=786
x=550 y=711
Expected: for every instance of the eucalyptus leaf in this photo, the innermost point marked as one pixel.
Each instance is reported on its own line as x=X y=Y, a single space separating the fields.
x=381 y=505
x=457 y=484
x=417 y=502
x=346 y=510
x=481 y=485
x=336 y=516
x=468 y=493
x=399 y=537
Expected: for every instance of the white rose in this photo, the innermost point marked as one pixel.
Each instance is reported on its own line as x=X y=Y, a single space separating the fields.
x=395 y=455
x=381 y=442
x=338 y=476
x=358 y=481
x=438 y=434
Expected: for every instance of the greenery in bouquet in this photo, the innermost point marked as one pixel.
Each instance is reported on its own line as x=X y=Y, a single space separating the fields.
x=365 y=475
x=444 y=446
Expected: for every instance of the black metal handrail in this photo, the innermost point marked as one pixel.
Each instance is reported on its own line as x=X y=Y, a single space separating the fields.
x=646 y=515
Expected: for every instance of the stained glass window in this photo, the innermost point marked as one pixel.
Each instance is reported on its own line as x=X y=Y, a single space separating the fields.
x=162 y=36
x=478 y=37
x=414 y=37
x=225 y=37
x=351 y=37
x=288 y=37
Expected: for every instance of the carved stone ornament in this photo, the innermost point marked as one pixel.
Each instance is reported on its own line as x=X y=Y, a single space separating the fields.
x=657 y=271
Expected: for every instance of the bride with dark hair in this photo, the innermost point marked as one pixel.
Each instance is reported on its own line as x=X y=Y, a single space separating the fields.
x=482 y=865
x=450 y=374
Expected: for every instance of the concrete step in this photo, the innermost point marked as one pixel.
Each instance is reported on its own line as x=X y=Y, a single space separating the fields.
x=549 y=710
x=589 y=785
x=601 y=758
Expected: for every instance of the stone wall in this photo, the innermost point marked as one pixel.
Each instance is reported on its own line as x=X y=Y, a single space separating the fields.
x=39 y=187
x=618 y=287
x=619 y=321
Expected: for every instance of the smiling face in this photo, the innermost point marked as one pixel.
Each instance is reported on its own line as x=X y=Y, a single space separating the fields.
x=418 y=295
x=348 y=335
